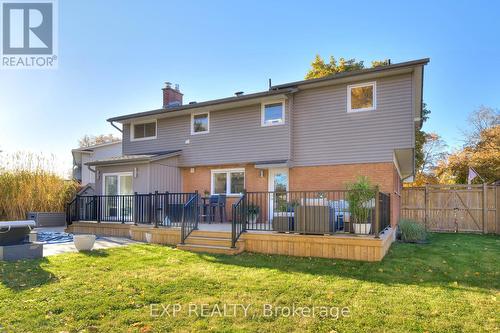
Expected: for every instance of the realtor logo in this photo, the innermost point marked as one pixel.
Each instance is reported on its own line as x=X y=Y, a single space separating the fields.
x=28 y=34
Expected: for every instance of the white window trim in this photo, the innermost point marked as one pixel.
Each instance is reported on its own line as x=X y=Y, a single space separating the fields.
x=132 y=125
x=192 y=123
x=263 y=123
x=364 y=84
x=104 y=175
x=228 y=180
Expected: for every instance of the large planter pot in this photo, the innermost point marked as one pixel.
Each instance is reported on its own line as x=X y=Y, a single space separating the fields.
x=362 y=228
x=84 y=242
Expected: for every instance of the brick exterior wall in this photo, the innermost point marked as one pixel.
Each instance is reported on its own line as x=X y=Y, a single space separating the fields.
x=334 y=177
x=314 y=178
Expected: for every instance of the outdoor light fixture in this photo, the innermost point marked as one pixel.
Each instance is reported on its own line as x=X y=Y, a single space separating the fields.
x=191 y=170
x=261 y=173
x=135 y=172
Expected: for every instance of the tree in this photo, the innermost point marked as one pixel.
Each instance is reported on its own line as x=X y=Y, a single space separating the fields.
x=433 y=151
x=321 y=69
x=481 y=151
x=420 y=138
x=91 y=140
x=378 y=63
x=480 y=120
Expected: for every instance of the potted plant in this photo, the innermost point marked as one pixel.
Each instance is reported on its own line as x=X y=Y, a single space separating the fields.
x=253 y=213
x=361 y=199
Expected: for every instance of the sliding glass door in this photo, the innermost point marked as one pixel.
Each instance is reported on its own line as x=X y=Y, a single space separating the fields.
x=116 y=185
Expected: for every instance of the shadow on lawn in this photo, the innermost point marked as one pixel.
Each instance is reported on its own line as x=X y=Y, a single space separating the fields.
x=95 y=253
x=25 y=274
x=450 y=260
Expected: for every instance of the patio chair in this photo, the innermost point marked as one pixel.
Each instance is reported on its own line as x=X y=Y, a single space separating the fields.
x=217 y=206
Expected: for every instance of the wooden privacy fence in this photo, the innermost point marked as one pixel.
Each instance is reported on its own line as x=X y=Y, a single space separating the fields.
x=455 y=208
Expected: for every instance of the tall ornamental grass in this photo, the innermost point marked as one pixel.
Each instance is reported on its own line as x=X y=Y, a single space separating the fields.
x=28 y=182
x=411 y=231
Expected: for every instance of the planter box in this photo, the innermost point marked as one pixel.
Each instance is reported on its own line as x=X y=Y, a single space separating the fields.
x=313 y=219
x=283 y=222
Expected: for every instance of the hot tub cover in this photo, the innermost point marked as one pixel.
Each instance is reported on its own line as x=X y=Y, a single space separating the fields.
x=18 y=224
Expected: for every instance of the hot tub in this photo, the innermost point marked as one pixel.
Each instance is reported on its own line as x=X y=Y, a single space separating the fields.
x=15 y=232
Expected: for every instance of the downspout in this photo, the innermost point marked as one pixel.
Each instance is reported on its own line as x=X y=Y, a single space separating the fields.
x=119 y=129
x=94 y=170
x=290 y=126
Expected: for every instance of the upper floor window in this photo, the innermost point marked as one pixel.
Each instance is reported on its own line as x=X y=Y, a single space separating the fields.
x=200 y=123
x=273 y=114
x=143 y=131
x=362 y=97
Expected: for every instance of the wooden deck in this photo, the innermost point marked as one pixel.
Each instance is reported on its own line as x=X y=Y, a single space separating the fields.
x=338 y=246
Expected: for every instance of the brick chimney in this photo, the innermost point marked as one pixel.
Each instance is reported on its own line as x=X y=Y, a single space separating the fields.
x=172 y=97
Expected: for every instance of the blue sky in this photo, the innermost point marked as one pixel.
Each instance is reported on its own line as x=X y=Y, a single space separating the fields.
x=115 y=56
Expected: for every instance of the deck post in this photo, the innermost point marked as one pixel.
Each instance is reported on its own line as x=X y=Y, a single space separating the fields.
x=377 y=214
x=94 y=210
x=136 y=208
x=122 y=208
x=167 y=205
x=77 y=207
x=150 y=204
x=155 y=209
x=98 y=205
x=233 y=226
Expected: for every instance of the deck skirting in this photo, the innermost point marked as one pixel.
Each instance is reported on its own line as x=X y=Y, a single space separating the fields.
x=328 y=246
x=338 y=246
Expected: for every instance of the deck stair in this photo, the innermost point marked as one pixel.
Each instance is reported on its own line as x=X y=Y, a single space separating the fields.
x=211 y=242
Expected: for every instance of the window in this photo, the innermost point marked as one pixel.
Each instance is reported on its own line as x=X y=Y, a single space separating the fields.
x=200 y=123
x=229 y=182
x=143 y=131
x=362 y=97
x=273 y=114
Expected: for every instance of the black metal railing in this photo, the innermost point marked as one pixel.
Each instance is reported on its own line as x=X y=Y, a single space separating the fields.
x=158 y=209
x=71 y=211
x=316 y=212
x=384 y=211
x=190 y=217
x=239 y=218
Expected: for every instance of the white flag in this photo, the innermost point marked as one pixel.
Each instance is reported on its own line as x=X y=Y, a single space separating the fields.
x=472 y=174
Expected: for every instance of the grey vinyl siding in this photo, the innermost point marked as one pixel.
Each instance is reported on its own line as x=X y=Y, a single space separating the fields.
x=161 y=176
x=236 y=136
x=322 y=131
x=165 y=176
x=325 y=133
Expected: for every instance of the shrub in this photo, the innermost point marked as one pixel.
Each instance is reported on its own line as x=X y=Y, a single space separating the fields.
x=411 y=231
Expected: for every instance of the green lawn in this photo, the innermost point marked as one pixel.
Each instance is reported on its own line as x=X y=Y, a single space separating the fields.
x=449 y=285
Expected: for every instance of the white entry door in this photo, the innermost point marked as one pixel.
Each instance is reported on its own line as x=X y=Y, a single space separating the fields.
x=278 y=182
x=115 y=185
